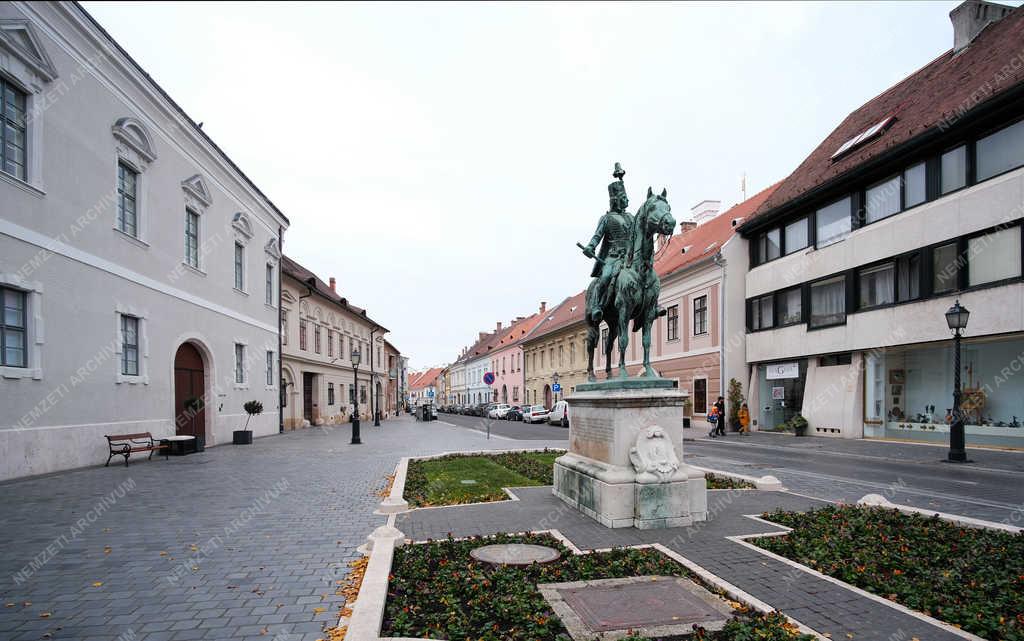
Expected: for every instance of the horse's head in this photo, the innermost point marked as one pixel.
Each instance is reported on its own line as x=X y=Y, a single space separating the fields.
x=659 y=213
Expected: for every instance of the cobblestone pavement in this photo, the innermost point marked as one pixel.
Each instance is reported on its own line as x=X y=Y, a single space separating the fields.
x=820 y=604
x=844 y=470
x=237 y=542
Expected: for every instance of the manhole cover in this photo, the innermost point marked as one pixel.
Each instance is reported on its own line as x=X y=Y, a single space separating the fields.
x=658 y=605
x=514 y=554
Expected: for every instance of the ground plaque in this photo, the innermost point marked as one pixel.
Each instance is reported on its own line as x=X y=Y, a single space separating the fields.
x=514 y=554
x=649 y=605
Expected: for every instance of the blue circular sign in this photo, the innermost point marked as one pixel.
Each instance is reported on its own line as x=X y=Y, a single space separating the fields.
x=488 y=378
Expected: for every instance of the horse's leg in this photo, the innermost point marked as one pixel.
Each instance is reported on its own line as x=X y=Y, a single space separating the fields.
x=623 y=342
x=592 y=335
x=610 y=320
x=648 y=322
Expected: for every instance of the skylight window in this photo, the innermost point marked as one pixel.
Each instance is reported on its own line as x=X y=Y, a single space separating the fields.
x=864 y=136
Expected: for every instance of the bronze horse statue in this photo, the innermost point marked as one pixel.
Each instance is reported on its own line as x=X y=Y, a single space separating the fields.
x=636 y=289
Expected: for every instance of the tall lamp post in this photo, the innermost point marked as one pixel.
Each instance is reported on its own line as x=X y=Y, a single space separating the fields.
x=956 y=318
x=356 y=357
x=554 y=379
x=373 y=392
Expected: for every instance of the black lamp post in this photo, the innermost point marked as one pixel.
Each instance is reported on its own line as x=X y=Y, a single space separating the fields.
x=956 y=318
x=355 y=398
x=554 y=378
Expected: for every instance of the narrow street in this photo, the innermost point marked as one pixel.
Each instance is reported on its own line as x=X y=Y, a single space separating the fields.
x=992 y=487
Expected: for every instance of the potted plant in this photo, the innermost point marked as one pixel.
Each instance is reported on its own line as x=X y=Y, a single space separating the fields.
x=799 y=424
x=244 y=435
x=734 y=398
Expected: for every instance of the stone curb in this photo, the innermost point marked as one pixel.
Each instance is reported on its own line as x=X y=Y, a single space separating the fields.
x=877 y=500
x=367 y=616
x=767 y=483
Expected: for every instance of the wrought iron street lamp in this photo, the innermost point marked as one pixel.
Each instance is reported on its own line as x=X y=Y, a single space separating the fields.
x=356 y=357
x=956 y=318
x=374 y=384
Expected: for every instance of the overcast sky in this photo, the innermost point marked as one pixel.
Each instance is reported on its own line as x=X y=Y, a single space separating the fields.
x=441 y=160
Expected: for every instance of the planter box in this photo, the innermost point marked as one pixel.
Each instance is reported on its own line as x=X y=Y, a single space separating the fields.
x=242 y=437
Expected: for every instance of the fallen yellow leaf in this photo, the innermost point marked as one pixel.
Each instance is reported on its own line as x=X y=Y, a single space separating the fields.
x=318 y=610
x=97 y=584
x=163 y=553
x=44 y=615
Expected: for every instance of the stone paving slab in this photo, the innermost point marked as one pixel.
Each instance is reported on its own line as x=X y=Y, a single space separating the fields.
x=815 y=602
x=273 y=526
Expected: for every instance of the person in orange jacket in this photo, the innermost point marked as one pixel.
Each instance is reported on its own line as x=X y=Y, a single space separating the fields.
x=744 y=416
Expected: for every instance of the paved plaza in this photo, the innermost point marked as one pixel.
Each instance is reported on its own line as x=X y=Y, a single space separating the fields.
x=236 y=542
x=248 y=542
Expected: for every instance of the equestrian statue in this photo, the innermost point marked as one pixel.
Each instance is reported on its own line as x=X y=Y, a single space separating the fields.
x=625 y=286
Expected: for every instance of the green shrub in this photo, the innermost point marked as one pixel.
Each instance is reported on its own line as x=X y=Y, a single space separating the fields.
x=968 y=577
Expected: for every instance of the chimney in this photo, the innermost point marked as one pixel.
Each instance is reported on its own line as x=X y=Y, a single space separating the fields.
x=333 y=282
x=705 y=210
x=970 y=17
x=543 y=306
x=498 y=327
x=482 y=335
x=686 y=225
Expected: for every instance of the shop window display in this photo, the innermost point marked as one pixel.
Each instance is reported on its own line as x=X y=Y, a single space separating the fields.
x=920 y=386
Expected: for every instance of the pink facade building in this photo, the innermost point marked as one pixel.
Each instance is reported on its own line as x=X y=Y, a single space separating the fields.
x=506 y=349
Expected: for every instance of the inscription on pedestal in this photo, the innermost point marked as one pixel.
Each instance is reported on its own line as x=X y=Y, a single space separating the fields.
x=593 y=437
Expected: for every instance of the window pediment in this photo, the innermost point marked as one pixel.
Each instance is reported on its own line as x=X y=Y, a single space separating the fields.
x=240 y=222
x=138 y=144
x=196 y=192
x=273 y=253
x=20 y=39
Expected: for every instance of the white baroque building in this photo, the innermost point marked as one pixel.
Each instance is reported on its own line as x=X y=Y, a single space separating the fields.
x=138 y=264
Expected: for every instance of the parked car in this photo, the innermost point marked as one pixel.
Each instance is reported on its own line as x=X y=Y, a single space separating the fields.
x=499 y=410
x=559 y=414
x=514 y=414
x=535 y=414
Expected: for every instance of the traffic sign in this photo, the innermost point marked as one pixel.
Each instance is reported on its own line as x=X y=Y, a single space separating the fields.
x=556 y=388
x=488 y=378
x=430 y=393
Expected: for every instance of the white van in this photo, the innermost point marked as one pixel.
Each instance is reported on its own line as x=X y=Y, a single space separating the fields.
x=559 y=414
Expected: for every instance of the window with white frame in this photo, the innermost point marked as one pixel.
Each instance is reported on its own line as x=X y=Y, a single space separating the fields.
x=239 y=267
x=13 y=133
x=191 y=238
x=13 y=325
x=270 y=368
x=284 y=327
x=127 y=199
x=129 y=345
x=270 y=285
x=239 y=363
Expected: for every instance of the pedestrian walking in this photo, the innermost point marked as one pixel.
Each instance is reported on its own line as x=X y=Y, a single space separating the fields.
x=720 y=406
x=744 y=416
x=713 y=419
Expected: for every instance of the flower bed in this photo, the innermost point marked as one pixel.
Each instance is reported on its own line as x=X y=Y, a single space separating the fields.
x=967 y=577
x=715 y=482
x=439 y=481
x=438 y=591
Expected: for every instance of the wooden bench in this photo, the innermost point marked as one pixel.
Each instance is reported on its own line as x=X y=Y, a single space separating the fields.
x=127 y=444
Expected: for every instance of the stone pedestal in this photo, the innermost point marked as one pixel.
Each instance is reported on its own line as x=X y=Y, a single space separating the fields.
x=624 y=466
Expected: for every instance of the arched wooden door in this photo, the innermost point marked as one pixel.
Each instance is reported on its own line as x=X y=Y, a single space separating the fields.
x=547 y=397
x=189 y=392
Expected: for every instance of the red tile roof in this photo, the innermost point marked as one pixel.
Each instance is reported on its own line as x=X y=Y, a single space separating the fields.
x=424 y=379
x=707 y=239
x=569 y=311
x=291 y=268
x=931 y=98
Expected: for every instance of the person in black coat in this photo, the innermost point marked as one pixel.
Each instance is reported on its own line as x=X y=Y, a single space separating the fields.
x=720 y=426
